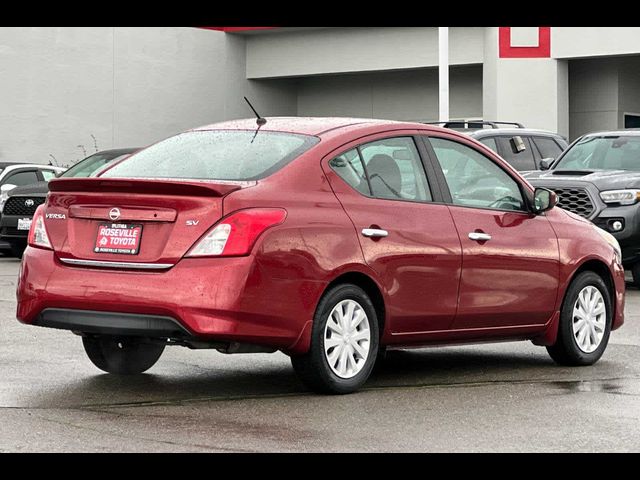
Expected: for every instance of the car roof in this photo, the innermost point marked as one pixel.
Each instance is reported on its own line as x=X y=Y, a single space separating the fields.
x=299 y=125
x=10 y=164
x=629 y=133
x=496 y=132
x=31 y=165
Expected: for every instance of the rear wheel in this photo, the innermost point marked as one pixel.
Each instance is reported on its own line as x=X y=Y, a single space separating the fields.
x=122 y=356
x=344 y=343
x=585 y=322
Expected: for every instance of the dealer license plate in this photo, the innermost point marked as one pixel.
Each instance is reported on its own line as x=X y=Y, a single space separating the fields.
x=24 y=223
x=122 y=239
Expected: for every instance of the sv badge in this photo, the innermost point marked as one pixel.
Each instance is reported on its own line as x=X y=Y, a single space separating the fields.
x=193 y=223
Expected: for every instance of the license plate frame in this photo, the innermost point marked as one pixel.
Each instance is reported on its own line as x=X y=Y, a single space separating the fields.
x=112 y=238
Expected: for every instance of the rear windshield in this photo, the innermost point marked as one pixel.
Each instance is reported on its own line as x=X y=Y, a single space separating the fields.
x=603 y=153
x=215 y=155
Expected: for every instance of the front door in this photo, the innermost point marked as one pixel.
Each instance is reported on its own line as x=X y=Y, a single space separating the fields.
x=510 y=256
x=409 y=241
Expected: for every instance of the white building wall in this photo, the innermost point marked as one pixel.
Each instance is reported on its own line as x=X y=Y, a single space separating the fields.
x=356 y=49
x=406 y=95
x=576 y=42
x=127 y=86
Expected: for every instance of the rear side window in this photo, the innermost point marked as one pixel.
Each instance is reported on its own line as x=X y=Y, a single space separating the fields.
x=349 y=167
x=215 y=155
x=21 y=179
x=522 y=161
x=91 y=166
x=548 y=147
x=490 y=142
x=395 y=171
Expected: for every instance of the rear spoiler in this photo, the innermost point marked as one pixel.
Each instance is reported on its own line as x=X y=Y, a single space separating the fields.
x=148 y=186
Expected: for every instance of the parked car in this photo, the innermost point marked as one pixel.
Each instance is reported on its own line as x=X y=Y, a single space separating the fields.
x=21 y=202
x=13 y=175
x=523 y=148
x=327 y=239
x=598 y=178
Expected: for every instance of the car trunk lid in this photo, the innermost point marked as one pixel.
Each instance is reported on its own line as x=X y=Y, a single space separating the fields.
x=137 y=221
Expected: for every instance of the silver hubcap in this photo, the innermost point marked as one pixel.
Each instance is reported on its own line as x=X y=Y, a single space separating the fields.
x=347 y=339
x=589 y=319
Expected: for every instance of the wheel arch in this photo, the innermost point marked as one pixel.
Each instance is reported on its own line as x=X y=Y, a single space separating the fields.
x=595 y=265
x=370 y=287
x=600 y=268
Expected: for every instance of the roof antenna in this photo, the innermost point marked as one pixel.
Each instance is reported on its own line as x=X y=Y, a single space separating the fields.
x=261 y=121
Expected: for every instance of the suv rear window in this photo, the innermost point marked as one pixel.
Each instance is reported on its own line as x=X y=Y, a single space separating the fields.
x=215 y=155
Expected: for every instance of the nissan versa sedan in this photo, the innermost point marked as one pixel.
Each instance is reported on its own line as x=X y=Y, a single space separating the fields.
x=330 y=240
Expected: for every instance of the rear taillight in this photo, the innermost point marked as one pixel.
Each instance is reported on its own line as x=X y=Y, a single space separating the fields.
x=38 y=232
x=235 y=235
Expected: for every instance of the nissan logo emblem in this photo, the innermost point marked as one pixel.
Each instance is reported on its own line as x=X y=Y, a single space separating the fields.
x=29 y=203
x=114 y=214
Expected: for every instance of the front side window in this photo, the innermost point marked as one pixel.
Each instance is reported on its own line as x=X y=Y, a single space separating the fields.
x=48 y=174
x=21 y=179
x=614 y=152
x=215 y=155
x=395 y=171
x=548 y=147
x=474 y=180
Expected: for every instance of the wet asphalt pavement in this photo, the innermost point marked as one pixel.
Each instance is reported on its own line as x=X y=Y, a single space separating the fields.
x=506 y=397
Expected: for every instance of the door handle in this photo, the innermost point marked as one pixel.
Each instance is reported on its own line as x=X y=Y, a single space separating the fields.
x=374 y=233
x=479 y=237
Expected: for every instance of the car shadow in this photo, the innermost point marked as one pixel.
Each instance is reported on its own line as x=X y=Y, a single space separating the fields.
x=432 y=367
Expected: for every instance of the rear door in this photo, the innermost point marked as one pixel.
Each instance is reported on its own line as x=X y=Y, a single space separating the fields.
x=406 y=237
x=510 y=257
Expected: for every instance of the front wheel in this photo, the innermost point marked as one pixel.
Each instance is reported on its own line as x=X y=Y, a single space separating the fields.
x=122 y=356
x=344 y=343
x=585 y=322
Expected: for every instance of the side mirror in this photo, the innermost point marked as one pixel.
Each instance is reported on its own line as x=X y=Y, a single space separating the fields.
x=517 y=145
x=545 y=163
x=6 y=188
x=544 y=200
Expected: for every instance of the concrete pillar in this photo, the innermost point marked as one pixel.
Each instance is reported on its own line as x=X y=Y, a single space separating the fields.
x=532 y=91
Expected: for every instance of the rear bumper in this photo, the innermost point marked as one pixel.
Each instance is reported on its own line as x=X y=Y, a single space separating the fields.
x=104 y=323
x=215 y=300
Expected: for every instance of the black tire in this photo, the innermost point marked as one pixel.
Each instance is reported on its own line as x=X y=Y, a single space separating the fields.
x=313 y=368
x=17 y=250
x=566 y=351
x=122 y=356
x=635 y=270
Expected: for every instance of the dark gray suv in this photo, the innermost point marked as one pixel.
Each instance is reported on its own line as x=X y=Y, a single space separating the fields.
x=598 y=178
x=523 y=148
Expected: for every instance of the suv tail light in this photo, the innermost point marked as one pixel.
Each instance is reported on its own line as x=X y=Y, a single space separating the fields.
x=235 y=235
x=38 y=236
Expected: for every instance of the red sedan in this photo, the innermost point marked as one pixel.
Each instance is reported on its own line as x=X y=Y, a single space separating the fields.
x=330 y=240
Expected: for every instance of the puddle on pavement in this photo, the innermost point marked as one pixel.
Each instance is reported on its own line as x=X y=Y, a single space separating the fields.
x=627 y=386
